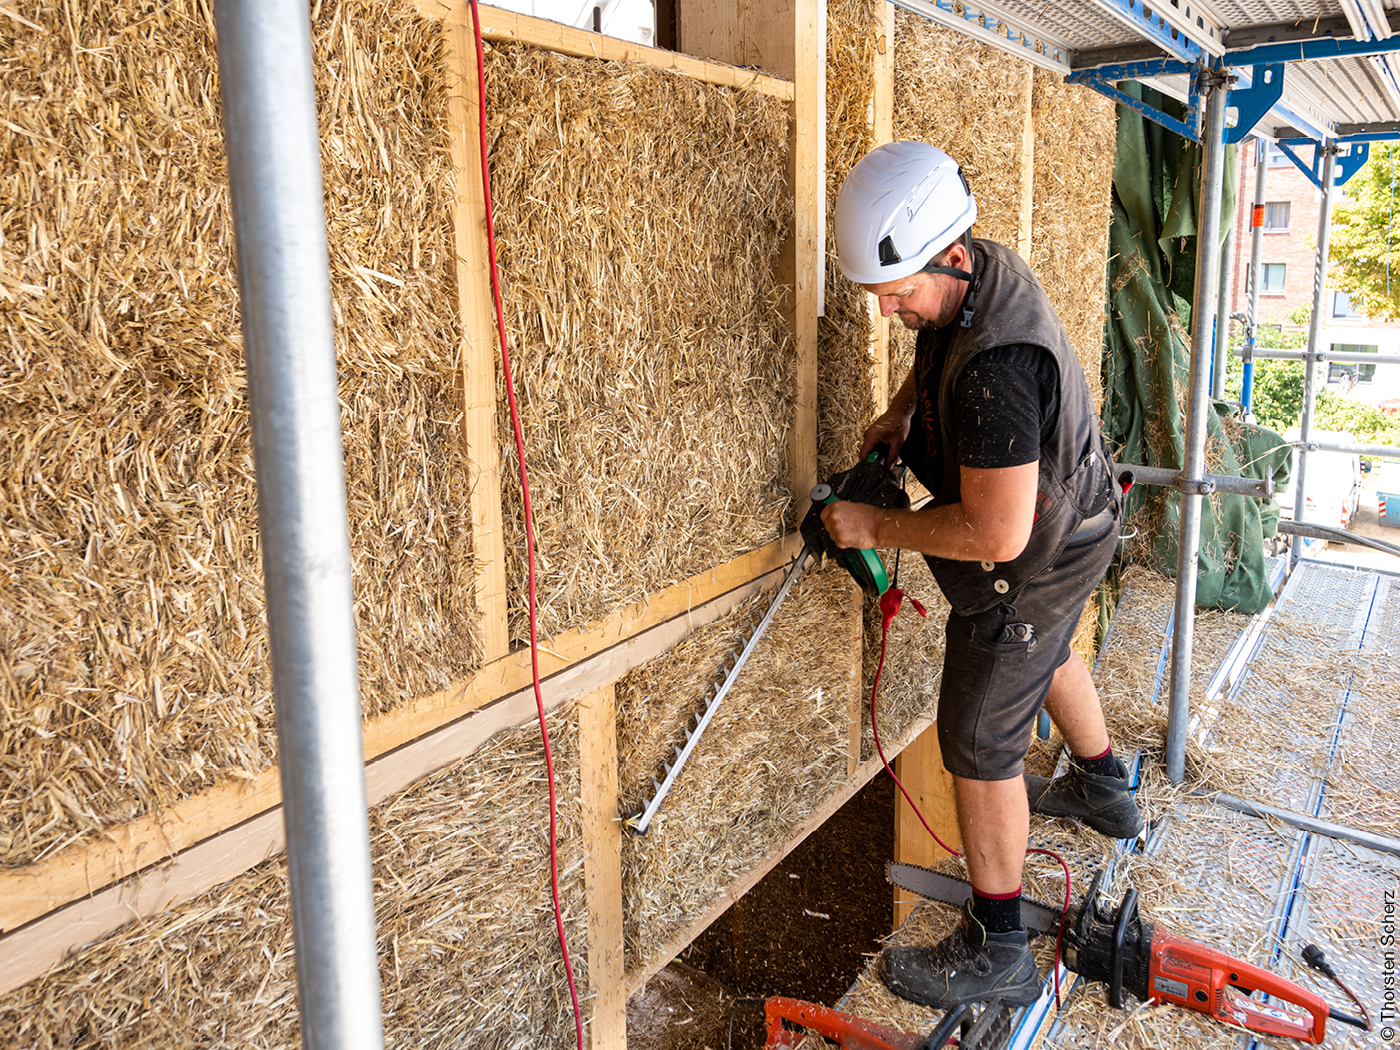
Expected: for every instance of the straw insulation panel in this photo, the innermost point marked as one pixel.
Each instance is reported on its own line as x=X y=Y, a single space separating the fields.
x=777 y=747
x=845 y=397
x=639 y=216
x=132 y=635
x=468 y=953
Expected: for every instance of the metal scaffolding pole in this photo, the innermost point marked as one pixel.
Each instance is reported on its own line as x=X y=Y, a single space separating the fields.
x=1312 y=363
x=1256 y=247
x=1198 y=401
x=269 y=103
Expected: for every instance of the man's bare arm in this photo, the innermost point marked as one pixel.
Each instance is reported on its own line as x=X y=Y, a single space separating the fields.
x=992 y=523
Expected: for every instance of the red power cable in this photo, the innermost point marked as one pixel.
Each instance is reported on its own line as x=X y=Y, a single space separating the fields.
x=890 y=604
x=529 y=526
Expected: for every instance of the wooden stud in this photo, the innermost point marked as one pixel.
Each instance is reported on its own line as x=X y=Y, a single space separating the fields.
x=497 y=24
x=602 y=867
x=477 y=354
x=920 y=769
x=1026 y=189
x=882 y=125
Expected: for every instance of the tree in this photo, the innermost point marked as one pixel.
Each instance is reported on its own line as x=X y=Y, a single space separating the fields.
x=1364 y=246
x=1277 y=397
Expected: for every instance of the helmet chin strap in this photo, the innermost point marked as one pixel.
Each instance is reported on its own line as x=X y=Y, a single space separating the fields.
x=969 y=303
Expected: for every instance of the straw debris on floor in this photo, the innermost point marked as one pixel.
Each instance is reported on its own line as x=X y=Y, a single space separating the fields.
x=467 y=946
x=132 y=638
x=639 y=216
x=775 y=749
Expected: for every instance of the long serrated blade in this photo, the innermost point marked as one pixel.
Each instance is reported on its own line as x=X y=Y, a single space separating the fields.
x=641 y=821
x=948 y=889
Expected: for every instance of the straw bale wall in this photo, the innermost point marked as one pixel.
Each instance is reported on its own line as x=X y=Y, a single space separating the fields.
x=132 y=636
x=776 y=748
x=1075 y=139
x=845 y=397
x=467 y=946
x=639 y=220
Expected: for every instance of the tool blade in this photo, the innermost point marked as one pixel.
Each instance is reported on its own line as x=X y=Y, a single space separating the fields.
x=948 y=889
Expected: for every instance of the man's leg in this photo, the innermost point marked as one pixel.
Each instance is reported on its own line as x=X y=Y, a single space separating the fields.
x=1096 y=789
x=978 y=960
x=994 y=819
x=1073 y=704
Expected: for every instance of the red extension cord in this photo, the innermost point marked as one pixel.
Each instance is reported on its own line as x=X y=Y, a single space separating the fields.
x=529 y=527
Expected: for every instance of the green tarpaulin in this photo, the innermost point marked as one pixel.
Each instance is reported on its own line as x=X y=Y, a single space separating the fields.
x=1151 y=281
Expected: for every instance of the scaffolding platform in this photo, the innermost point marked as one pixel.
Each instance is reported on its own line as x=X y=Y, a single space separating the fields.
x=1286 y=831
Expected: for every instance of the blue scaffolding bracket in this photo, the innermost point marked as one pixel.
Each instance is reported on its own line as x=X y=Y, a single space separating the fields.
x=1345 y=166
x=1251 y=103
x=1105 y=79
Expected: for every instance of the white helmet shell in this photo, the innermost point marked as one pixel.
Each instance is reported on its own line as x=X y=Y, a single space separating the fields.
x=902 y=204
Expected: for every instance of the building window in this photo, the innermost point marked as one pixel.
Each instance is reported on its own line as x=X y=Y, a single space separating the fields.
x=1276 y=215
x=1347 y=374
x=1342 y=307
x=1273 y=278
x=1275 y=157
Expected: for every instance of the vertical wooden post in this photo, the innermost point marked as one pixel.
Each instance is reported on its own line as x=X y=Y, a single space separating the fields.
x=477 y=354
x=882 y=125
x=602 y=868
x=920 y=769
x=1027 y=179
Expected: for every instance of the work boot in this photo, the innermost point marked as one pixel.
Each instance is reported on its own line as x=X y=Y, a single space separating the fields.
x=1104 y=803
x=969 y=965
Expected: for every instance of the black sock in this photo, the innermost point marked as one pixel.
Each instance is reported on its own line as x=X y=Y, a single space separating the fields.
x=998 y=913
x=1104 y=765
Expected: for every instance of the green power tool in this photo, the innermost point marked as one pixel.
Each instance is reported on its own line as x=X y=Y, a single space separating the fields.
x=870 y=481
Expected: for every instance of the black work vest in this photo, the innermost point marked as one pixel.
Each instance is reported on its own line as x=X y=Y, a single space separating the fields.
x=1011 y=307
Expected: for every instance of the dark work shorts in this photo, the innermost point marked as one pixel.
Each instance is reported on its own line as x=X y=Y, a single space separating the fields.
x=992 y=690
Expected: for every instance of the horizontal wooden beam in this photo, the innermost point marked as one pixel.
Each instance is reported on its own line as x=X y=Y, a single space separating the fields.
x=118 y=853
x=26 y=952
x=637 y=979
x=497 y=24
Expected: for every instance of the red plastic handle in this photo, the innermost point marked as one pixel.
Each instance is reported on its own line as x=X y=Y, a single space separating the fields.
x=1211 y=982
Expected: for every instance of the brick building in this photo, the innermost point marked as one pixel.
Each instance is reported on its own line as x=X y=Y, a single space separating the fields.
x=1287 y=262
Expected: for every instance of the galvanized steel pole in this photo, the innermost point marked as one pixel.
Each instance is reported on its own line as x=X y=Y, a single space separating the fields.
x=269 y=102
x=1256 y=247
x=1310 y=364
x=1198 y=401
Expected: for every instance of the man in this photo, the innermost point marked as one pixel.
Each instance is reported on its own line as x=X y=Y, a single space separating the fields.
x=996 y=420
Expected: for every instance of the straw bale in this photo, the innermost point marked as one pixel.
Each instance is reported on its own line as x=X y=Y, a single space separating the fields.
x=132 y=641
x=467 y=946
x=774 y=750
x=913 y=654
x=639 y=216
x=937 y=72
x=1075 y=140
x=845 y=367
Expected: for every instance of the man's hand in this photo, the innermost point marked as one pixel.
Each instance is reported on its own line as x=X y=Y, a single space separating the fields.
x=890 y=429
x=851 y=524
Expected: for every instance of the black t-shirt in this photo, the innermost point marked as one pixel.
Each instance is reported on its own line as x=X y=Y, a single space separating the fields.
x=1007 y=402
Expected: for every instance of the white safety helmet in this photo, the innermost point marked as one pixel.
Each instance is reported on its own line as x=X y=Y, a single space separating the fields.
x=902 y=204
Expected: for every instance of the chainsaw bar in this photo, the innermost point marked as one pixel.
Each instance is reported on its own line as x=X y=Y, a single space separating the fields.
x=948 y=889
x=639 y=822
